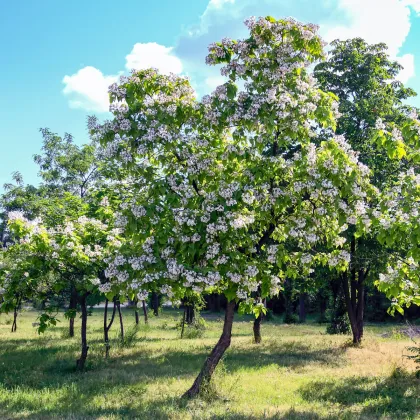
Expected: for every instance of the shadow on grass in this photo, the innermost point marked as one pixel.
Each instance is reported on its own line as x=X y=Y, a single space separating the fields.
x=397 y=395
x=291 y=414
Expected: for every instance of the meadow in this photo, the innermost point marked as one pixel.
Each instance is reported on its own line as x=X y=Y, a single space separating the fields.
x=297 y=372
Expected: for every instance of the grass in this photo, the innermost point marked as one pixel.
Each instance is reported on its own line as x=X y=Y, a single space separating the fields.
x=298 y=372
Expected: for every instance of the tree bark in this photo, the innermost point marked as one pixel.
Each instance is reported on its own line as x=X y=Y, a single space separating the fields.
x=190 y=313
x=144 y=311
x=80 y=364
x=107 y=326
x=121 y=320
x=257 y=329
x=15 y=315
x=155 y=303
x=72 y=305
x=217 y=353
x=355 y=301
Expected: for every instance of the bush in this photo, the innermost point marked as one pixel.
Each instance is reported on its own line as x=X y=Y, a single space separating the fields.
x=194 y=330
x=290 y=318
x=337 y=316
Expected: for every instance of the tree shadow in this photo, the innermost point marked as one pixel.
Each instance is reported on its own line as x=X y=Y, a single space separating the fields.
x=291 y=414
x=397 y=395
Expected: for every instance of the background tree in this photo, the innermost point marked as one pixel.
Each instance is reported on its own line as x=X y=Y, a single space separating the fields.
x=364 y=79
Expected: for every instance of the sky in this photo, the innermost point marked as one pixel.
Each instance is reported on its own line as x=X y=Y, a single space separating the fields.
x=58 y=58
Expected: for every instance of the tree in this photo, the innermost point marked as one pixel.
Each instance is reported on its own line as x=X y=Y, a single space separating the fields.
x=73 y=249
x=396 y=218
x=67 y=167
x=232 y=192
x=364 y=79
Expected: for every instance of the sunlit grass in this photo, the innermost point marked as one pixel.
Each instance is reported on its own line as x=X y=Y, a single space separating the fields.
x=298 y=372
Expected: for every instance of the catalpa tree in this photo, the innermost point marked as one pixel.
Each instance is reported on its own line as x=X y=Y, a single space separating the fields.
x=72 y=251
x=396 y=218
x=233 y=193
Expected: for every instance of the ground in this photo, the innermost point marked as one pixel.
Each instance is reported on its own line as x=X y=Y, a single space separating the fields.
x=298 y=372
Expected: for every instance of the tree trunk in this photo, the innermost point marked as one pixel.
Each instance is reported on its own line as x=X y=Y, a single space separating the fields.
x=121 y=320
x=257 y=329
x=15 y=315
x=210 y=364
x=355 y=302
x=107 y=326
x=72 y=306
x=155 y=303
x=144 y=311
x=136 y=315
x=302 y=309
x=80 y=364
x=190 y=313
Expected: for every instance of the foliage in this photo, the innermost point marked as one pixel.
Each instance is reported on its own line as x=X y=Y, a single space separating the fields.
x=233 y=210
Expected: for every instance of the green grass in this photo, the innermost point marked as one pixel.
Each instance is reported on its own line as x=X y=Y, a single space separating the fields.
x=298 y=372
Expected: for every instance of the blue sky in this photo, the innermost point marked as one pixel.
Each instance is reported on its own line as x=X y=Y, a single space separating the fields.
x=59 y=57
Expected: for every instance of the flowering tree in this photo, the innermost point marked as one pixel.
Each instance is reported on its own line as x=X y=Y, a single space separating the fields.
x=233 y=193
x=74 y=251
x=396 y=218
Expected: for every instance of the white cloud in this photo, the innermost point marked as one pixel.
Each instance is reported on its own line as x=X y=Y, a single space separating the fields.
x=377 y=21
x=373 y=20
x=407 y=61
x=415 y=4
x=213 y=81
x=88 y=89
x=144 y=56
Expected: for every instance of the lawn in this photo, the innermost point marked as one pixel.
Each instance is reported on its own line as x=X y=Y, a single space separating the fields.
x=298 y=372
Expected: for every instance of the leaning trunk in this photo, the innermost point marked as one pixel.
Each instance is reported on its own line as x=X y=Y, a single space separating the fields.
x=257 y=329
x=212 y=361
x=107 y=326
x=80 y=364
x=15 y=315
x=184 y=315
x=121 y=320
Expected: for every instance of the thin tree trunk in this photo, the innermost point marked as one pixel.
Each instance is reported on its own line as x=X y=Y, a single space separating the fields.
x=136 y=315
x=212 y=361
x=107 y=326
x=15 y=315
x=257 y=329
x=121 y=320
x=72 y=306
x=80 y=364
x=144 y=311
